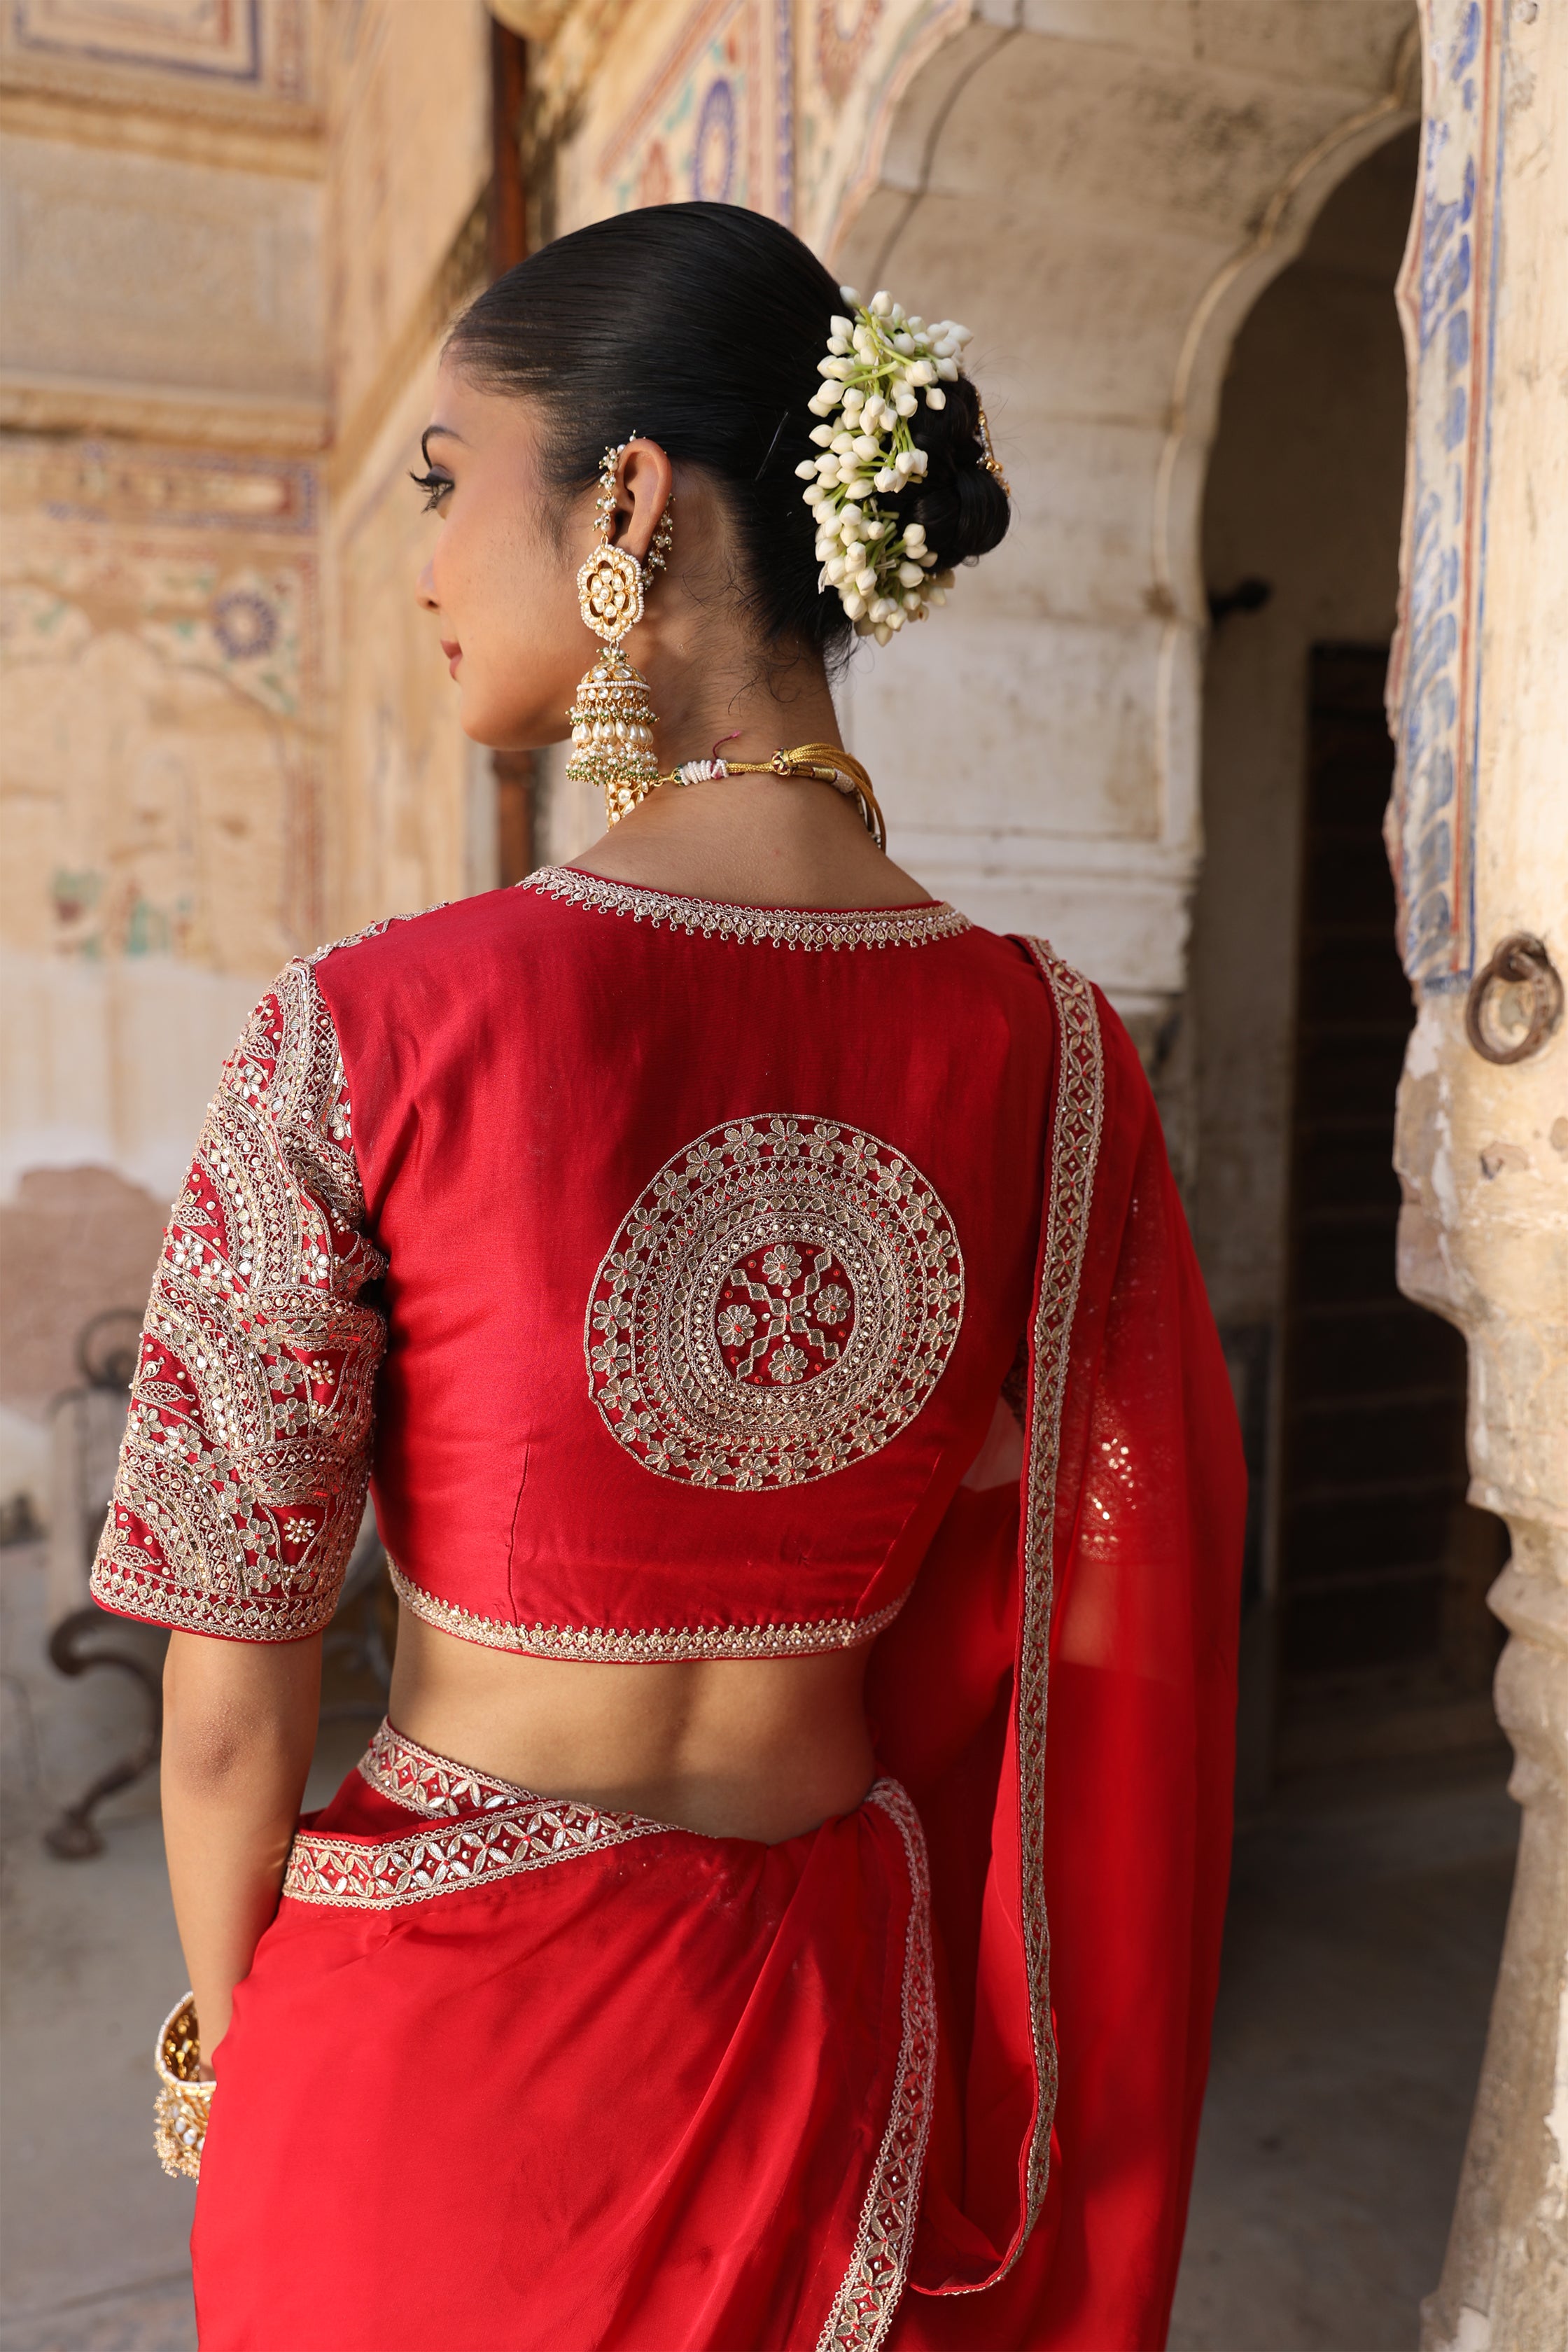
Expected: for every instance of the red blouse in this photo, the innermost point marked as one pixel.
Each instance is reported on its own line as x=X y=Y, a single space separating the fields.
x=669 y=1211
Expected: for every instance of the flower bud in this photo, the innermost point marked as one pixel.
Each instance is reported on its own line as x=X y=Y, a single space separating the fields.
x=936 y=397
x=839 y=325
x=807 y=470
x=948 y=369
x=910 y=575
x=854 y=603
x=881 y=304
x=906 y=403
x=848 y=295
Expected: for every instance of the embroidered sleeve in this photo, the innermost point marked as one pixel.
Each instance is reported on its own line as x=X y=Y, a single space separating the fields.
x=242 y=1476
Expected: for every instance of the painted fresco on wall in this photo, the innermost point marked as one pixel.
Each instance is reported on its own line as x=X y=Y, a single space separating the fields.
x=259 y=45
x=159 y=626
x=784 y=105
x=713 y=117
x=1445 y=297
x=858 y=58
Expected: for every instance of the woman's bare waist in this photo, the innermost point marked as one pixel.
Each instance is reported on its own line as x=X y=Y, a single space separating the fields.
x=755 y=1747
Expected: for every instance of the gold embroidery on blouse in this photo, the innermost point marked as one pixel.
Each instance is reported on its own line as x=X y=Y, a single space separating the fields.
x=779 y=1301
x=1069 y=1193
x=647 y=1645
x=243 y=1470
x=878 y=2267
x=350 y=1874
x=811 y=928
x=425 y=1782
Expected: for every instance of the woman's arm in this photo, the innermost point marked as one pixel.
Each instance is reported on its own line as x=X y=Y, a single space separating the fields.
x=239 y=1729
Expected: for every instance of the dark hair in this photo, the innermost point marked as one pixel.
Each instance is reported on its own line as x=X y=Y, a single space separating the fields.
x=701 y=326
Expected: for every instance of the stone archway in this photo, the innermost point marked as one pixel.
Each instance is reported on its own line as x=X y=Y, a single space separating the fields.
x=1102 y=209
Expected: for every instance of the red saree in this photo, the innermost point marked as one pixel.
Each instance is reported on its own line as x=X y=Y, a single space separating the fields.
x=511 y=2072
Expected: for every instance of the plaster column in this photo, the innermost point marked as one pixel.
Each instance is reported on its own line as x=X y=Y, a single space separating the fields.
x=1478 y=833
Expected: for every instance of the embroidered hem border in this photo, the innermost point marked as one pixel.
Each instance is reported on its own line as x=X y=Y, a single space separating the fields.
x=878 y=2268
x=654 y=1644
x=813 y=929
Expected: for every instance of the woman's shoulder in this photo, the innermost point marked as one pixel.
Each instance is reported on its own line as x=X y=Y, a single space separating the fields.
x=425 y=944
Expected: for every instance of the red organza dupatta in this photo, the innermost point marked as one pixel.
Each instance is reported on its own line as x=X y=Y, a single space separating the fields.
x=1058 y=1697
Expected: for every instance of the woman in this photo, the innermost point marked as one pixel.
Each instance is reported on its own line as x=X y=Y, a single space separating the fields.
x=779 y=1333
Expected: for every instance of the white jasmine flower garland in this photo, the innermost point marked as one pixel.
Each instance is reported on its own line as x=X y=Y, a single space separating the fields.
x=880 y=365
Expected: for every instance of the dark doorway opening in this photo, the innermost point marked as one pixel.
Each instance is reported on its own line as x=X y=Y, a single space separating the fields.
x=1384 y=1566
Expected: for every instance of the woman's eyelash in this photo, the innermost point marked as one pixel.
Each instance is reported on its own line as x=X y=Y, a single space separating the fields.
x=434 y=487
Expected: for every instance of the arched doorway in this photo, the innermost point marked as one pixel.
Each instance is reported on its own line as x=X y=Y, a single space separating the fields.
x=1369 y=1569
x=1374 y=1848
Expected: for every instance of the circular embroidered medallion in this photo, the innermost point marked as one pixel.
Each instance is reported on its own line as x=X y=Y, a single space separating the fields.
x=781 y=1301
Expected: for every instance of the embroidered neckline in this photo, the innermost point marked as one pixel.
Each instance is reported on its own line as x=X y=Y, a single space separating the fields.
x=811 y=928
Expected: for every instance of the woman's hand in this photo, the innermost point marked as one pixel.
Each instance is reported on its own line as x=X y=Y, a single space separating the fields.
x=239 y=1730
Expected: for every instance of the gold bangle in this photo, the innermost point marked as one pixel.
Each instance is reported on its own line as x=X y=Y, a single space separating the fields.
x=185 y=2101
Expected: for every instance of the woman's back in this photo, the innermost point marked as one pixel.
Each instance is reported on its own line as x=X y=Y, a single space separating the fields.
x=652 y=1210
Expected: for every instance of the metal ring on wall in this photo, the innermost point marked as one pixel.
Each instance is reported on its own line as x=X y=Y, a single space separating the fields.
x=1517 y=961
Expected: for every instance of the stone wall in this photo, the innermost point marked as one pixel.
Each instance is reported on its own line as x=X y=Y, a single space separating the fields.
x=231 y=238
x=162 y=380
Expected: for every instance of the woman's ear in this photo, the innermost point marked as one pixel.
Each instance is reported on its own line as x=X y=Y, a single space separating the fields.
x=645 y=479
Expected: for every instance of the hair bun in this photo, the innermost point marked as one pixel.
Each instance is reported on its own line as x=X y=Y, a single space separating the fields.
x=959 y=502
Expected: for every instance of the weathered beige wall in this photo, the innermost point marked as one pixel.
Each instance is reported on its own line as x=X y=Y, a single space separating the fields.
x=1482 y=1151
x=163 y=372
x=227 y=734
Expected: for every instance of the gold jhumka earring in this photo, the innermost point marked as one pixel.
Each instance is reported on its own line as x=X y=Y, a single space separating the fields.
x=612 y=719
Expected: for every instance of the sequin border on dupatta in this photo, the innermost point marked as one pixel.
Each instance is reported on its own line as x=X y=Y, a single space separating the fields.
x=811 y=928
x=879 y=2269
x=1074 y=1157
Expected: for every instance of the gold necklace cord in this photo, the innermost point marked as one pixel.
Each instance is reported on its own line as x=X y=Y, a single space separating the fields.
x=822 y=763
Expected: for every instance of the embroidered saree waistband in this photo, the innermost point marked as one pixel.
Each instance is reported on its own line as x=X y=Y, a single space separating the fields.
x=644 y=1645
x=514 y=1978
